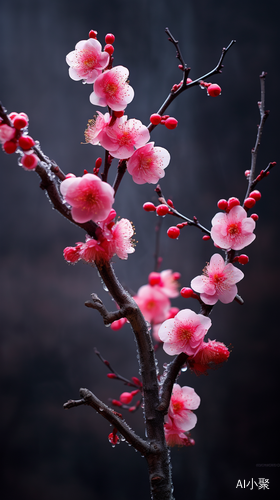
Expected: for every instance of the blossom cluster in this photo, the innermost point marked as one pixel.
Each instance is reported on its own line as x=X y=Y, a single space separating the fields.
x=115 y=238
x=123 y=138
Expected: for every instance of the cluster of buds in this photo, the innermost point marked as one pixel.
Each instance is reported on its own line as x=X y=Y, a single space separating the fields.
x=166 y=120
x=249 y=202
x=13 y=135
x=162 y=210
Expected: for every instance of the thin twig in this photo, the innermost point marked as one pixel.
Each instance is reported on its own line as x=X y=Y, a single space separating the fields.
x=88 y=398
x=107 y=164
x=118 y=376
x=263 y=116
x=184 y=86
x=191 y=222
x=108 y=317
x=173 y=371
x=120 y=174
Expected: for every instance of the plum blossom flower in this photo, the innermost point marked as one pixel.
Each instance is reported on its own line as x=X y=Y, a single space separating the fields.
x=95 y=250
x=147 y=164
x=184 y=333
x=175 y=436
x=153 y=304
x=233 y=229
x=111 y=89
x=87 y=60
x=6 y=133
x=96 y=128
x=218 y=281
x=89 y=196
x=183 y=400
x=123 y=136
x=169 y=283
x=121 y=243
x=210 y=355
x=180 y=419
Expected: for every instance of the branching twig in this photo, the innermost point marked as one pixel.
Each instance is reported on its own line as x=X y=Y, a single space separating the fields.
x=173 y=94
x=108 y=317
x=191 y=222
x=117 y=375
x=263 y=116
x=88 y=398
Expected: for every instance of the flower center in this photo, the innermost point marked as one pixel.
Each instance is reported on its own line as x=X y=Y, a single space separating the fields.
x=185 y=333
x=86 y=59
x=87 y=200
x=150 y=305
x=233 y=229
x=177 y=406
x=146 y=163
x=111 y=88
x=125 y=139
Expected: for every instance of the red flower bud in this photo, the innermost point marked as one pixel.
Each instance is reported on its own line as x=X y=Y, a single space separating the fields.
x=214 y=90
x=173 y=232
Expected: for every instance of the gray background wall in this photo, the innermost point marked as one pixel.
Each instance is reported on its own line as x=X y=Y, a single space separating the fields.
x=47 y=335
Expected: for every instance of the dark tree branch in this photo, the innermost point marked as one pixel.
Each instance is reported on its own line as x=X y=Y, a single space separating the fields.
x=108 y=317
x=173 y=371
x=158 y=462
x=184 y=86
x=263 y=116
x=191 y=222
x=120 y=174
x=107 y=164
x=88 y=398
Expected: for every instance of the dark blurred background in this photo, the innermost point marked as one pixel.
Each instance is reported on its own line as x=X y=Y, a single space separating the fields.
x=48 y=336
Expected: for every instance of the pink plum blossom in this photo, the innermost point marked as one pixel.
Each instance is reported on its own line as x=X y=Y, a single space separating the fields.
x=169 y=283
x=95 y=250
x=6 y=133
x=183 y=400
x=96 y=128
x=87 y=60
x=111 y=89
x=153 y=304
x=89 y=196
x=184 y=333
x=121 y=243
x=175 y=436
x=123 y=136
x=218 y=281
x=233 y=229
x=147 y=164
